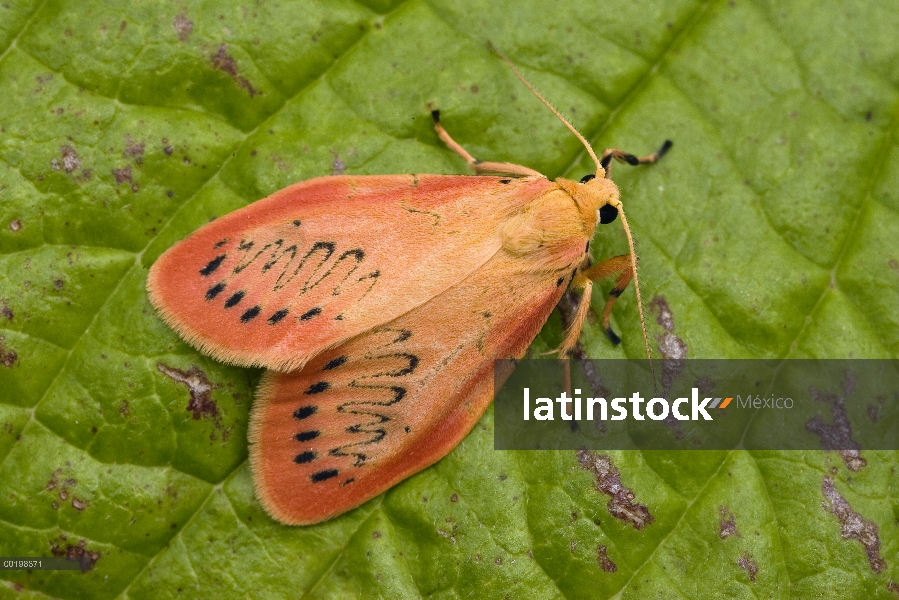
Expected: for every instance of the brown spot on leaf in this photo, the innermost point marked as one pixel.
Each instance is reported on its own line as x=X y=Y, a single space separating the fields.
x=76 y=553
x=279 y=162
x=608 y=481
x=747 y=564
x=201 y=403
x=837 y=436
x=69 y=162
x=59 y=284
x=671 y=347
x=893 y=587
x=15 y=225
x=133 y=149
x=337 y=165
x=5 y=310
x=602 y=559
x=79 y=504
x=8 y=357
x=54 y=480
x=122 y=175
x=223 y=61
x=674 y=352
x=450 y=535
x=125 y=409
x=874 y=411
x=727 y=527
x=852 y=525
x=454 y=498
x=183 y=27
x=704 y=385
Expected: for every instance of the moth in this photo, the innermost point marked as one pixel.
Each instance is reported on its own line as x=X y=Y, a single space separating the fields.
x=378 y=304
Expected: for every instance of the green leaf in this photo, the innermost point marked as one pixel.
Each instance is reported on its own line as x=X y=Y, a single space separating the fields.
x=768 y=231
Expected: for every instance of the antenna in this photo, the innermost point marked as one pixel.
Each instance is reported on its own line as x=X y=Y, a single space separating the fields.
x=553 y=109
x=630 y=243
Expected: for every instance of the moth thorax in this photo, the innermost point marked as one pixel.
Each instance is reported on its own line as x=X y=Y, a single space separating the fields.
x=548 y=223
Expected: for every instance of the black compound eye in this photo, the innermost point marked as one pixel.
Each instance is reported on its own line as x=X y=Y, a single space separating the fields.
x=607 y=214
x=587 y=178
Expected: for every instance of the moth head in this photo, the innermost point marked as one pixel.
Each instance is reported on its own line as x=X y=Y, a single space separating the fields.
x=602 y=195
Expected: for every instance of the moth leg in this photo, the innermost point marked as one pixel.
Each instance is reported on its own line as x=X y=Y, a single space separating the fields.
x=618 y=265
x=625 y=157
x=480 y=167
x=577 y=323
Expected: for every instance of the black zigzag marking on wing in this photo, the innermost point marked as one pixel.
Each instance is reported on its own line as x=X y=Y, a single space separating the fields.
x=386 y=389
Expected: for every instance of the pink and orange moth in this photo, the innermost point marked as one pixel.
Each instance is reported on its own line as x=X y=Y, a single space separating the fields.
x=378 y=304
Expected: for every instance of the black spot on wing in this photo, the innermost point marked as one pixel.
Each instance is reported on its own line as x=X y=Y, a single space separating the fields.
x=235 y=299
x=333 y=364
x=212 y=265
x=305 y=457
x=250 y=314
x=318 y=388
x=297 y=223
x=559 y=281
x=304 y=412
x=278 y=316
x=220 y=243
x=215 y=290
x=311 y=313
x=305 y=436
x=323 y=475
